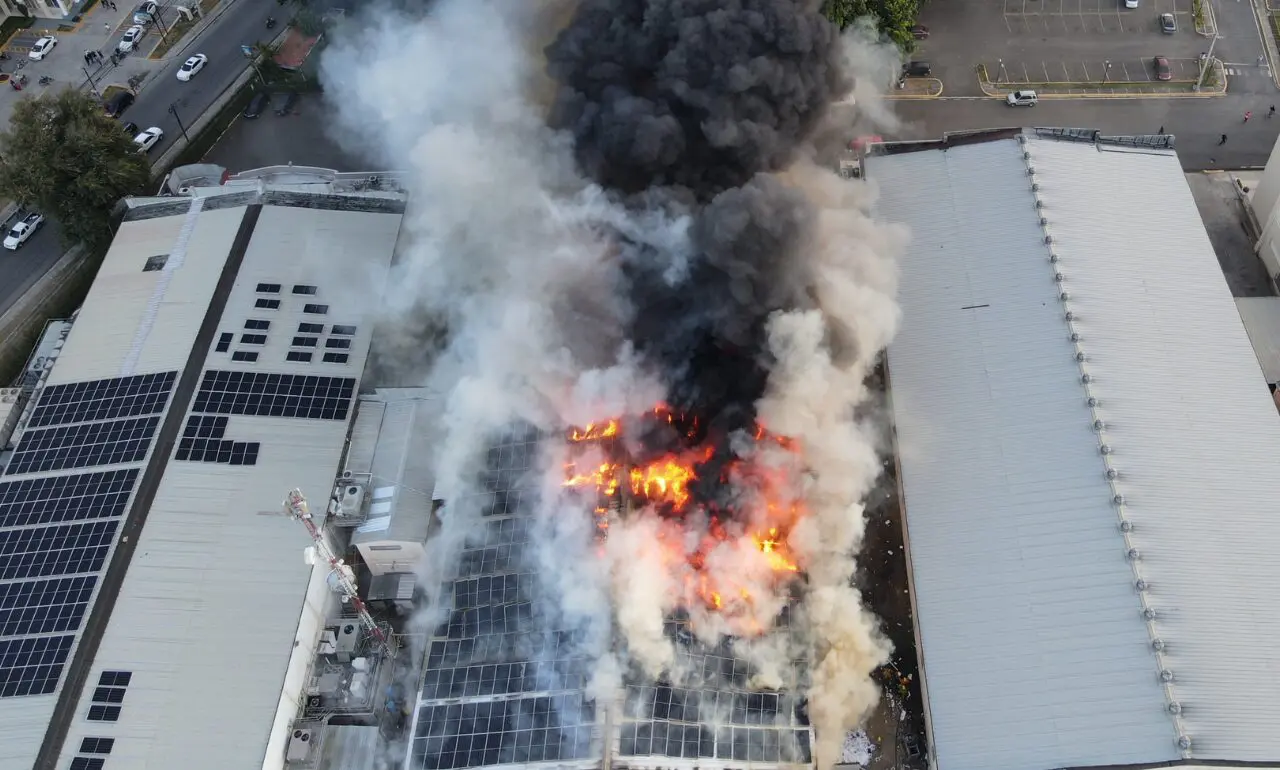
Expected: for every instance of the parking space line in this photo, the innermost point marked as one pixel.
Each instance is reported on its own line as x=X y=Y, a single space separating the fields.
x=1085 y=65
x=1025 y=77
x=1066 y=74
x=1045 y=67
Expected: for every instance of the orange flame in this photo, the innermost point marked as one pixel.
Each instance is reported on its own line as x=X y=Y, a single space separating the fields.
x=595 y=431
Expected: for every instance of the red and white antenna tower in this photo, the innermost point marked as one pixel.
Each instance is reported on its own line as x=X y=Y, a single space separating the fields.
x=296 y=506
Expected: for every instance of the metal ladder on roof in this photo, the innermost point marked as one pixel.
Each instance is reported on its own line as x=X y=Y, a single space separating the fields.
x=177 y=255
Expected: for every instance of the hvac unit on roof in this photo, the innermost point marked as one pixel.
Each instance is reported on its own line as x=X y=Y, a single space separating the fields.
x=348 y=640
x=351 y=500
x=299 y=746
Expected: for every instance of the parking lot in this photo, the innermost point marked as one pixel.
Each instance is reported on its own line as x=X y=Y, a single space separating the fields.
x=1104 y=71
x=1056 y=41
x=1034 y=17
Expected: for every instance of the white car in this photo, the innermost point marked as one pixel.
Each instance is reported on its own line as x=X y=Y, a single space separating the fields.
x=42 y=47
x=1130 y=3
x=131 y=38
x=148 y=139
x=22 y=230
x=192 y=66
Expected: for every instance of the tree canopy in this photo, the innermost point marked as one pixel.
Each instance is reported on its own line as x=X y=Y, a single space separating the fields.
x=894 y=18
x=63 y=156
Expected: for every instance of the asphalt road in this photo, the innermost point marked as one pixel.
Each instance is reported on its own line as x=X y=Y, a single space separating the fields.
x=243 y=23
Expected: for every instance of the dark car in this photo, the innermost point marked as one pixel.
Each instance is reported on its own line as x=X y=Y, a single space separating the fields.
x=286 y=106
x=1163 y=70
x=256 y=105
x=917 y=69
x=116 y=105
x=920 y=32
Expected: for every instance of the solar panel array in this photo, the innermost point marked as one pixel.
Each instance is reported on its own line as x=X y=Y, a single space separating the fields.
x=57 y=531
x=202 y=441
x=502 y=684
x=274 y=395
x=103 y=399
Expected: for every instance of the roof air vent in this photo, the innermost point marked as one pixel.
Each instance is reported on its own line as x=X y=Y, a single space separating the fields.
x=1184 y=742
x=1059 y=277
x=1140 y=584
x=1118 y=499
x=1175 y=708
x=1148 y=614
x=1053 y=257
x=1158 y=645
x=1080 y=356
x=1166 y=675
x=1035 y=187
x=1133 y=554
x=1039 y=203
x=1048 y=239
x=1069 y=315
x=1064 y=296
x=1043 y=221
x=1031 y=169
x=1098 y=425
x=1126 y=526
x=1112 y=474
x=1090 y=401
x=1105 y=449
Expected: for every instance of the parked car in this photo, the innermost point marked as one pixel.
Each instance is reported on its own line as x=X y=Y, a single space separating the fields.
x=1168 y=23
x=920 y=32
x=146 y=13
x=1022 y=99
x=917 y=69
x=42 y=47
x=22 y=230
x=148 y=139
x=191 y=66
x=131 y=37
x=1130 y=3
x=286 y=105
x=1163 y=70
x=256 y=105
x=116 y=105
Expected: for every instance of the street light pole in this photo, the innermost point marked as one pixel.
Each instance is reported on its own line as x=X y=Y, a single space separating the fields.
x=1208 y=61
x=173 y=110
x=156 y=18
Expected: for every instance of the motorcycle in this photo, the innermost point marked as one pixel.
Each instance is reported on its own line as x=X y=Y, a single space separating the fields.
x=271 y=22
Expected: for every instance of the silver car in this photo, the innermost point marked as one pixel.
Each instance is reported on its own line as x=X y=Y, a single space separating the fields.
x=1168 y=23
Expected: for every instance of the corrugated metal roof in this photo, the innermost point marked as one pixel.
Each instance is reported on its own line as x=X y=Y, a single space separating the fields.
x=1261 y=317
x=403 y=466
x=210 y=606
x=1035 y=649
x=138 y=322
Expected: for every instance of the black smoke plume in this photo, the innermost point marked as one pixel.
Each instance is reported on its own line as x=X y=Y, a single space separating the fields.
x=700 y=94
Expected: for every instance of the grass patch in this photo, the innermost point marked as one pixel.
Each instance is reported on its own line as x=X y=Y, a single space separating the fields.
x=1197 y=12
x=13 y=25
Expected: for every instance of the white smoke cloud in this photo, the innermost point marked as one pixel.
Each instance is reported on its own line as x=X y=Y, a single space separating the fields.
x=513 y=252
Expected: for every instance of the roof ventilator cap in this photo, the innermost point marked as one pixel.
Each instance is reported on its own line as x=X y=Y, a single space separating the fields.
x=1035 y=187
x=1126 y=526
x=1053 y=257
x=1091 y=401
x=1112 y=474
x=1064 y=296
x=1080 y=356
x=1105 y=449
x=1184 y=742
x=1031 y=169
x=1142 y=585
x=1069 y=316
x=1059 y=277
x=1048 y=239
x=1166 y=675
x=1175 y=708
x=1043 y=221
x=1133 y=554
x=1158 y=645
x=1039 y=203
x=1149 y=614
x=1118 y=499
x=1098 y=425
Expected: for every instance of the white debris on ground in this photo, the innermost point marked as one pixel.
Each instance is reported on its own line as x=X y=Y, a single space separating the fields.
x=857 y=749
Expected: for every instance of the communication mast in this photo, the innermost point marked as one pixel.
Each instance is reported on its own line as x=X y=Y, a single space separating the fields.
x=296 y=506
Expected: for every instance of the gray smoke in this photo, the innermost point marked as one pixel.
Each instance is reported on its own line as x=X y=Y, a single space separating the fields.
x=614 y=204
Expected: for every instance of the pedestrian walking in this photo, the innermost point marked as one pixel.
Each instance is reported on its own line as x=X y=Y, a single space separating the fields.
x=1162 y=130
x=1223 y=140
x=106 y=25
x=1247 y=115
x=1271 y=112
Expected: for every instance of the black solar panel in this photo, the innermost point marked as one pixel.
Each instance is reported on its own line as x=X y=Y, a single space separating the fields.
x=275 y=395
x=55 y=499
x=61 y=550
x=103 y=399
x=32 y=666
x=85 y=445
x=503 y=683
x=202 y=441
x=44 y=606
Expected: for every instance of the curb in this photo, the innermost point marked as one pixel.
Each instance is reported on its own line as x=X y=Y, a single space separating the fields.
x=178 y=49
x=1266 y=31
x=903 y=97
x=999 y=92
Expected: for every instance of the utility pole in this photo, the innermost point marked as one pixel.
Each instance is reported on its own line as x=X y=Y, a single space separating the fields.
x=295 y=505
x=1208 y=61
x=92 y=85
x=173 y=110
x=160 y=24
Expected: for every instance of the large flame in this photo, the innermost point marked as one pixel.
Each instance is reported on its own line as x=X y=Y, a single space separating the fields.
x=756 y=529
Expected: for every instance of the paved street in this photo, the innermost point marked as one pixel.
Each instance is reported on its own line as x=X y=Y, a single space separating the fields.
x=243 y=22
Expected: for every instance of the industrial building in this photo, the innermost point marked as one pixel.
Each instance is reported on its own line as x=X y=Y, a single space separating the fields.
x=1086 y=446
x=156 y=608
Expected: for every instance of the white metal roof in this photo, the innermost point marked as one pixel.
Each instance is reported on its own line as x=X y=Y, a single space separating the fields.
x=400 y=460
x=1261 y=317
x=138 y=322
x=208 y=618
x=1035 y=649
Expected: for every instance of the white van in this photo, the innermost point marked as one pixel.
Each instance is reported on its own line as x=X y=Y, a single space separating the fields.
x=1022 y=99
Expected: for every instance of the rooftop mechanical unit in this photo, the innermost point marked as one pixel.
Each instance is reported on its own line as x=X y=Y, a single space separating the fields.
x=299 y=749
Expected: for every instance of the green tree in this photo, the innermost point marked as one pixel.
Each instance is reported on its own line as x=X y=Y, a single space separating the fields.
x=894 y=18
x=67 y=159
x=843 y=12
